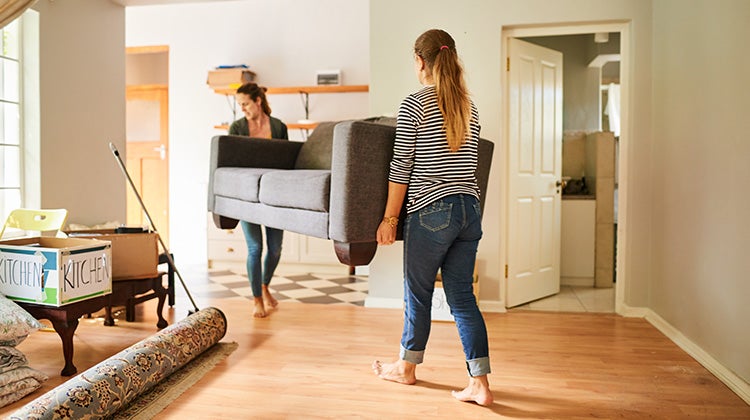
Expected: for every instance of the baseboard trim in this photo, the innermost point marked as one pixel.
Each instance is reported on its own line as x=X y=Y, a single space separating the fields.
x=388 y=303
x=729 y=378
x=497 y=306
x=577 y=281
x=630 y=311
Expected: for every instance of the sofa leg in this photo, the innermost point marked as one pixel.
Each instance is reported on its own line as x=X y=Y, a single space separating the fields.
x=223 y=222
x=355 y=253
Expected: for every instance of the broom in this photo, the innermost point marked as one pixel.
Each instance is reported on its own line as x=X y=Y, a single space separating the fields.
x=124 y=170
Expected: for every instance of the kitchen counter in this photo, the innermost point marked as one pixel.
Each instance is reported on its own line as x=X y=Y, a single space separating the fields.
x=579 y=197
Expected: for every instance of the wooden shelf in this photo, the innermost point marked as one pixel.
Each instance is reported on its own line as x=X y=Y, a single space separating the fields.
x=306 y=126
x=231 y=90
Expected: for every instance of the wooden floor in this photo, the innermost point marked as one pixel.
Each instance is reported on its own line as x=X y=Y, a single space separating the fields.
x=313 y=361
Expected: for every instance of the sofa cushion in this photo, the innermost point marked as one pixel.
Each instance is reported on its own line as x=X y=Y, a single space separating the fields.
x=306 y=189
x=315 y=153
x=241 y=183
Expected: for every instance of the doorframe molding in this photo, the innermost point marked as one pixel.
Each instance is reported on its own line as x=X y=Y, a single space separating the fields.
x=160 y=93
x=626 y=63
x=147 y=49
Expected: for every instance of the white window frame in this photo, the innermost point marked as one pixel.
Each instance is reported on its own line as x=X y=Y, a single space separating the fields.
x=29 y=185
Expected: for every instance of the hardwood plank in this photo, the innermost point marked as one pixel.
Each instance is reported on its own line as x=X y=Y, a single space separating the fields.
x=313 y=361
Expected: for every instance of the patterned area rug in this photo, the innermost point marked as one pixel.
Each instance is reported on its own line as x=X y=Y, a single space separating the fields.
x=149 y=404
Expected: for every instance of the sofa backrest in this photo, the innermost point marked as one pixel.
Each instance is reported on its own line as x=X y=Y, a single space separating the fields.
x=316 y=151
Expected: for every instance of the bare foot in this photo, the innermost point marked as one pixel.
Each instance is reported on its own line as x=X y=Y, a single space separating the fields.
x=268 y=298
x=399 y=371
x=478 y=391
x=260 y=310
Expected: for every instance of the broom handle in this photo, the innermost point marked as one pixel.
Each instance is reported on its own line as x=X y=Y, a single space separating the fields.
x=151 y=222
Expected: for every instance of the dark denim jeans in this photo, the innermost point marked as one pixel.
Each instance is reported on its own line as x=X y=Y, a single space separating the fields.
x=254 y=240
x=443 y=235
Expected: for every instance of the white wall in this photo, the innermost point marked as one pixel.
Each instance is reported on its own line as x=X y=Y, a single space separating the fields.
x=82 y=95
x=285 y=42
x=477 y=25
x=701 y=236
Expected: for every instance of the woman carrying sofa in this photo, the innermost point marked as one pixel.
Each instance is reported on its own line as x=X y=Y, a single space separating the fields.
x=258 y=123
x=433 y=167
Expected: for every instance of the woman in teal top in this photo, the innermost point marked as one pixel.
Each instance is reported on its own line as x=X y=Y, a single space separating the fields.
x=259 y=123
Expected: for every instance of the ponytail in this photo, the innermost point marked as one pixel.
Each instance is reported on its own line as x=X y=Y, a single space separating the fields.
x=438 y=50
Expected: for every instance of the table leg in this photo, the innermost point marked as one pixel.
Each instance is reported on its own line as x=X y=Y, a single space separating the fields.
x=170 y=276
x=109 y=320
x=65 y=329
x=162 y=294
x=170 y=283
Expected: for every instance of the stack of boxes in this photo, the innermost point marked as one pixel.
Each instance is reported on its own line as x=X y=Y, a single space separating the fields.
x=55 y=271
x=58 y=271
x=229 y=78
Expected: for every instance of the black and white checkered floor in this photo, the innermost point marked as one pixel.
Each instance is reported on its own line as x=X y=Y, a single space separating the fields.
x=305 y=288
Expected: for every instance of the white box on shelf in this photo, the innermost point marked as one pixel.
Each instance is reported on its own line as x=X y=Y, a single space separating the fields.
x=329 y=77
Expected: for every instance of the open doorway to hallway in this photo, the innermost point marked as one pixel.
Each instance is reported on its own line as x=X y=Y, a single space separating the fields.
x=593 y=67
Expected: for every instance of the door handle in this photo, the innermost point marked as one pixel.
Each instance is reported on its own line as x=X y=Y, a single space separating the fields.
x=162 y=151
x=561 y=183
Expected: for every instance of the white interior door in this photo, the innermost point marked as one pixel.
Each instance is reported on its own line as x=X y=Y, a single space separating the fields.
x=534 y=171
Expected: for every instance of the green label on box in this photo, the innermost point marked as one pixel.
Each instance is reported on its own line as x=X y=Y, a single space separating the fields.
x=50 y=295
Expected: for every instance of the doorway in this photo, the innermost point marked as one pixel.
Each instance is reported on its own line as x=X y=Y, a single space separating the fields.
x=147 y=135
x=619 y=240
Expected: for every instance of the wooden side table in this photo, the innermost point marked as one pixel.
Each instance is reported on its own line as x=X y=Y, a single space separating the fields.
x=65 y=321
x=132 y=292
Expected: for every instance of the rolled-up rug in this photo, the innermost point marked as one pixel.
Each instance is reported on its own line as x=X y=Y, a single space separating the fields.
x=110 y=385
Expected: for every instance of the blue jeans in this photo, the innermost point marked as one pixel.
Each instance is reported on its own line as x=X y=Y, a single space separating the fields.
x=443 y=235
x=254 y=240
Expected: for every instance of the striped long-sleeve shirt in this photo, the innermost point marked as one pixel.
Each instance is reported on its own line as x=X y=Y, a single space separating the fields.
x=421 y=157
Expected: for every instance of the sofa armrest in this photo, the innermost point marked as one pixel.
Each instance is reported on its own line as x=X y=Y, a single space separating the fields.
x=362 y=153
x=248 y=152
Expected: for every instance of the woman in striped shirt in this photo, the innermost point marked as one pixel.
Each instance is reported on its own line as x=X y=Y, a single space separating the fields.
x=434 y=159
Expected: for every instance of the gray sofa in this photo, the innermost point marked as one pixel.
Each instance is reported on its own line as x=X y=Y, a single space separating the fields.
x=333 y=186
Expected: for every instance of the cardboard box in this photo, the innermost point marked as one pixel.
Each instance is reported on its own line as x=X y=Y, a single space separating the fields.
x=224 y=78
x=440 y=309
x=55 y=271
x=134 y=255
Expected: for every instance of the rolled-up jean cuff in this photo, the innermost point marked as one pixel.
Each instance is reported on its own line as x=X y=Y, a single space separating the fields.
x=478 y=367
x=412 y=356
